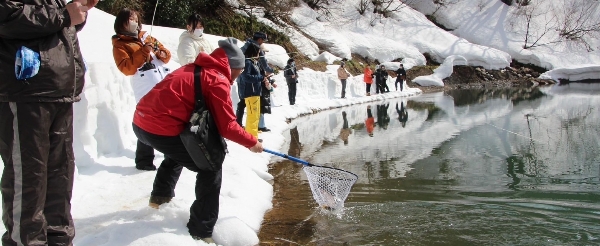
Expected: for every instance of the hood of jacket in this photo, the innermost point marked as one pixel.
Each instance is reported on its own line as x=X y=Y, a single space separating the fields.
x=216 y=60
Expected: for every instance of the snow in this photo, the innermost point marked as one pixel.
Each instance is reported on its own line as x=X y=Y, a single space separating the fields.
x=110 y=196
x=406 y=34
x=583 y=72
x=442 y=72
x=493 y=24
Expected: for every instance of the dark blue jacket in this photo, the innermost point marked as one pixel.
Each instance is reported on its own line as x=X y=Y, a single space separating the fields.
x=290 y=70
x=250 y=80
x=262 y=62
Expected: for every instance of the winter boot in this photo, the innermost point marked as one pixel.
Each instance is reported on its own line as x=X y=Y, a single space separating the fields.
x=368 y=93
x=208 y=240
x=156 y=201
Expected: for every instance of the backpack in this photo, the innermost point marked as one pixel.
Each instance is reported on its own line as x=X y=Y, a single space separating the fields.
x=201 y=137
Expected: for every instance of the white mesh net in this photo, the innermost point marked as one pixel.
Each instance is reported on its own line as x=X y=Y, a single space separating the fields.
x=330 y=186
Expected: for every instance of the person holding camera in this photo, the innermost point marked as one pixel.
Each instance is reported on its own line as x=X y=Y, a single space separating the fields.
x=141 y=56
x=291 y=77
x=258 y=39
x=252 y=79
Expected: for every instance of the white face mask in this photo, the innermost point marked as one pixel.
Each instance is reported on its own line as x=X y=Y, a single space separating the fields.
x=198 y=32
x=133 y=27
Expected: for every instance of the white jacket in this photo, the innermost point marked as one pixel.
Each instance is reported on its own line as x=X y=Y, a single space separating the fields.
x=190 y=46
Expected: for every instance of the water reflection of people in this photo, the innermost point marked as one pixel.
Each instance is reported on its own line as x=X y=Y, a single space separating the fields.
x=370 y=122
x=345 y=131
x=383 y=119
x=402 y=114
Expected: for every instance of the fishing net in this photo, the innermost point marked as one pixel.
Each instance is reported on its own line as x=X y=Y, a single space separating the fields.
x=330 y=186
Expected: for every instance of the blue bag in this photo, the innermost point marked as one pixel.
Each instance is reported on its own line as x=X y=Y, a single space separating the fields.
x=27 y=63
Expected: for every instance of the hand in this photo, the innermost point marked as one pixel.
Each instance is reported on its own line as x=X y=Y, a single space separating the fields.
x=293 y=76
x=149 y=47
x=77 y=13
x=161 y=54
x=257 y=148
x=274 y=85
x=88 y=3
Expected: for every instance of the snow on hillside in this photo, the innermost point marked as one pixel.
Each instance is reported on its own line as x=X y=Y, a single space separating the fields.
x=494 y=24
x=405 y=35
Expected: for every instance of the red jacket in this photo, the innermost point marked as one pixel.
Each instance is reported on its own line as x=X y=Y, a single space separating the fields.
x=167 y=107
x=368 y=77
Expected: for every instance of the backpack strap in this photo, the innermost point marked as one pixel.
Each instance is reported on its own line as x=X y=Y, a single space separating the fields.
x=198 y=88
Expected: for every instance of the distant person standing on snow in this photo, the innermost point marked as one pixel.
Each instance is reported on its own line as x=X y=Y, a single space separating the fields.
x=251 y=81
x=142 y=57
x=258 y=39
x=400 y=77
x=291 y=78
x=383 y=77
x=343 y=75
x=43 y=74
x=377 y=84
x=192 y=41
x=368 y=78
x=380 y=78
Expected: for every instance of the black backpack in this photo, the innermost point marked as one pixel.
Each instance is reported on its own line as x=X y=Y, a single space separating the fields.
x=201 y=137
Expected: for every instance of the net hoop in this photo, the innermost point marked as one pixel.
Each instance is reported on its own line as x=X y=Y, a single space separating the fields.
x=330 y=186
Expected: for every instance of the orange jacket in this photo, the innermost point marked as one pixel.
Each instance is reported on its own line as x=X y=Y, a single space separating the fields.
x=368 y=76
x=129 y=53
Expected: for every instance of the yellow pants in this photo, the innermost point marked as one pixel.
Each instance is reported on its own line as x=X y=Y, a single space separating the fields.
x=252 y=115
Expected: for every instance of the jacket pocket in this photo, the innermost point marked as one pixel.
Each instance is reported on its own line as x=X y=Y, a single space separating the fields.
x=27 y=63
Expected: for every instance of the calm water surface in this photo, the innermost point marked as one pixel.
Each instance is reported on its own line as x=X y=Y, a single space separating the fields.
x=470 y=167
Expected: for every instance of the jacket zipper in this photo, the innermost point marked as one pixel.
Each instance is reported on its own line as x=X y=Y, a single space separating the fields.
x=56 y=2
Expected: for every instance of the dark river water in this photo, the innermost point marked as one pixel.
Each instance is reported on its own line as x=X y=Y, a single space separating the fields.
x=468 y=167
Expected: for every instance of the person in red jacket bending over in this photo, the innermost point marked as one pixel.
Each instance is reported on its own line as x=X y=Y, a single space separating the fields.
x=162 y=114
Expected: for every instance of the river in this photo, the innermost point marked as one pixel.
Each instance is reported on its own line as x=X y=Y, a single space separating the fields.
x=466 y=167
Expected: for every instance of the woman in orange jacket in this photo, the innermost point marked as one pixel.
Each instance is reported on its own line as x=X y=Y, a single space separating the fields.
x=368 y=78
x=141 y=56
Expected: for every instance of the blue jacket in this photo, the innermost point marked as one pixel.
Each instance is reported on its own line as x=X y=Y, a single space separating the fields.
x=262 y=62
x=250 y=80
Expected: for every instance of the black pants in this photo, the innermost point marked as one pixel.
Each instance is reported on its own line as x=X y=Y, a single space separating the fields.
x=292 y=92
x=239 y=112
x=205 y=209
x=401 y=84
x=343 y=88
x=144 y=155
x=384 y=86
x=36 y=145
x=368 y=88
x=378 y=88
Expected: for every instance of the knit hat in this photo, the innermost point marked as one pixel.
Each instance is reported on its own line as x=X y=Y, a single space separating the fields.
x=234 y=53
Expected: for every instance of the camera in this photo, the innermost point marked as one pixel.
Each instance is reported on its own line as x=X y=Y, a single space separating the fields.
x=147 y=66
x=271 y=80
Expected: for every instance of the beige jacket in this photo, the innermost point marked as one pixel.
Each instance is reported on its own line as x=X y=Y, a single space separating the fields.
x=342 y=73
x=190 y=46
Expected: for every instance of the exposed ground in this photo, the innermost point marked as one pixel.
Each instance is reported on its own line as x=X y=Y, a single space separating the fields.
x=467 y=77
